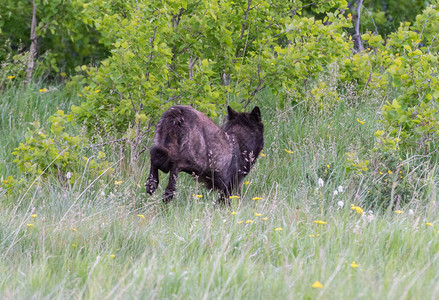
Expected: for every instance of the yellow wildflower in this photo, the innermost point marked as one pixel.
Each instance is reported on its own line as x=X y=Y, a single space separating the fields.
x=11 y=77
x=288 y=151
x=354 y=265
x=265 y=219
x=239 y=222
x=256 y=198
x=74 y=245
x=398 y=211
x=361 y=122
x=112 y=255
x=141 y=216
x=311 y=235
x=97 y=91
x=381 y=173
x=258 y=215
x=34 y=215
x=390 y=172
x=74 y=229
x=357 y=209
x=117 y=182
x=63 y=74
x=429 y=224
x=234 y=197
x=248 y=222
x=328 y=166
x=233 y=213
x=317 y=285
x=197 y=196
x=30 y=225
x=262 y=154
x=321 y=222
x=43 y=90
x=278 y=229
x=247 y=182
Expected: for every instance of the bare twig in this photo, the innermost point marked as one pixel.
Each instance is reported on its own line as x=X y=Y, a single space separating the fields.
x=422 y=31
x=138 y=8
x=373 y=21
x=107 y=143
x=431 y=44
x=294 y=11
x=192 y=61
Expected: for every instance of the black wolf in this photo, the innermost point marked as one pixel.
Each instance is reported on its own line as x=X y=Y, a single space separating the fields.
x=187 y=140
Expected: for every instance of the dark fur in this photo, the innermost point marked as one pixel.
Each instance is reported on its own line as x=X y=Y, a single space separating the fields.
x=188 y=141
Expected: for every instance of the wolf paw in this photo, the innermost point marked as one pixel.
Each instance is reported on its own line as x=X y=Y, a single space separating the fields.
x=168 y=196
x=151 y=185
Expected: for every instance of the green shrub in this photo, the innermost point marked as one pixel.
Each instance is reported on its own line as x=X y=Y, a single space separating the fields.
x=56 y=153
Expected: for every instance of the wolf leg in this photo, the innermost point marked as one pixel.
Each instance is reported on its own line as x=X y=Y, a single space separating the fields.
x=172 y=185
x=224 y=198
x=153 y=180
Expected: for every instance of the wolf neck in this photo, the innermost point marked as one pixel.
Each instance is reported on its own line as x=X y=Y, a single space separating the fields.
x=242 y=157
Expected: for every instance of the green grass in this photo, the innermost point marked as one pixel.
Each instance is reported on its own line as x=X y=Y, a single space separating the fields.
x=98 y=239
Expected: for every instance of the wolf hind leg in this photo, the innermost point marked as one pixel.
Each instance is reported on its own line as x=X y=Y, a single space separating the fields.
x=225 y=193
x=172 y=185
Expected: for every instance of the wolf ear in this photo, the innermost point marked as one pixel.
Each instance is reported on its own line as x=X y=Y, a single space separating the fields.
x=256 y=113
x=231 y=113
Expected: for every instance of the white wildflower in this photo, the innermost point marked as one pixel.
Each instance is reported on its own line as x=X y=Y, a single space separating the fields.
x=320 y=182
x=335 y=193
x=340 y=189
x=103 y=194
x=411 y=212
x=340 y=204
x=68 y=175
x=370 y=218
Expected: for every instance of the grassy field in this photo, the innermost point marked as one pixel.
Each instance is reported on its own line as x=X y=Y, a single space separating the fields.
x=105 y=239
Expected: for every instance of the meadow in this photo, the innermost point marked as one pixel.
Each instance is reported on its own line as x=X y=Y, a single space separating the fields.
x=289 y=236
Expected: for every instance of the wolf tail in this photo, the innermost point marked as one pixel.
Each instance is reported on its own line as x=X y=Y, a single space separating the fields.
x=160 y=158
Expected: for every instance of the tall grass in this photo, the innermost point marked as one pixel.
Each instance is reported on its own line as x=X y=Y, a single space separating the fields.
x=19 y=107
x=107 y=239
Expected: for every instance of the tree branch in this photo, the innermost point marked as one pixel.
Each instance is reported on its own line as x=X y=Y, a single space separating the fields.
x=33 y=45
x=357 y=38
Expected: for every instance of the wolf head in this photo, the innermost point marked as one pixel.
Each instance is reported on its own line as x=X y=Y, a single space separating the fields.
x=247 y=129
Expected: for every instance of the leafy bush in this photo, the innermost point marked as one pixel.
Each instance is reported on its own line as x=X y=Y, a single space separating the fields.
x=65 y=37
x=56 y=153
x=13 y=69
x=407 y=63
x=204 y=54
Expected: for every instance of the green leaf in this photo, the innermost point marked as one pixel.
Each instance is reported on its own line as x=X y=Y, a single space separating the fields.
x=365 y=36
